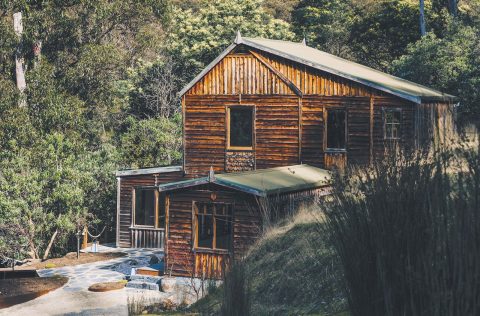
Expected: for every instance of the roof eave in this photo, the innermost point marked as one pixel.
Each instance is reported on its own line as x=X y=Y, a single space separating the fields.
x=209 y=67
x=410 y=97
x=182 y=184
x=443 y=98
x=145 y=171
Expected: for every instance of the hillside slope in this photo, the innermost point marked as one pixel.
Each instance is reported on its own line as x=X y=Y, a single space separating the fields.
x=292 y=270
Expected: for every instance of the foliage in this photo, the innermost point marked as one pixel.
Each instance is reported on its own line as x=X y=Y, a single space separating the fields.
x=151 y=142
x=156 y=88
x=450 y=64
x=236 y=296
x=324 y=24
x=382 y=33
x=405 y=229
x=198 y=37
x=280 y=9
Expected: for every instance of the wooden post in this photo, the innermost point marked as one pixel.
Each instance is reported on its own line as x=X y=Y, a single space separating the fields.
x=19 y=60
x=300 y=124
x=371 y=130
x=85 y=238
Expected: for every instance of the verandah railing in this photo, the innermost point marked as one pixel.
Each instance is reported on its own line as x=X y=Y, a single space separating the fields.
x=147 y=237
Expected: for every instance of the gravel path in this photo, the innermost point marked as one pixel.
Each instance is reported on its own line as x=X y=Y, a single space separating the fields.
x=75 y=299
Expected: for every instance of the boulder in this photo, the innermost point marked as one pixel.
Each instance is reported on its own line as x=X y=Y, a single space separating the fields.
x=153 y=259
x=168 y=284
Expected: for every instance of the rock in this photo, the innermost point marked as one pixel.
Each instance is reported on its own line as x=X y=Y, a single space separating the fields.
x=143 y=285
x=168 y=284
x=153 y=259
x=71 y=255
x=146 y=278
x=106 y=286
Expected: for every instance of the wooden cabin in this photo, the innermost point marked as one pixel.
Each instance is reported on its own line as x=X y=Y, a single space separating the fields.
x=267 y=107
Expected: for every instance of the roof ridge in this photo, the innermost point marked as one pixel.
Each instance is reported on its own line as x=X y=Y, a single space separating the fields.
x=345 y=60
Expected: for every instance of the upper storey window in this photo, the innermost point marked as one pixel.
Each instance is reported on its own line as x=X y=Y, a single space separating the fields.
x=240 y=128
x=336 y=129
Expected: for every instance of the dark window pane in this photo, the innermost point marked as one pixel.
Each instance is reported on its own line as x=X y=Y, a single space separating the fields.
x=161 y=211
x=336 y=137
x=224 y=232
x=144 y=207
x=241 y=125
x=205 y=231
x=207 y=216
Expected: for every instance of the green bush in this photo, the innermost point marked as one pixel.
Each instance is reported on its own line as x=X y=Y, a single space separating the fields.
x=407 y=231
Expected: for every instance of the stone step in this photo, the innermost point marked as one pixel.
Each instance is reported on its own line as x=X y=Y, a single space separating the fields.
x=143 y=285
x=145 y=278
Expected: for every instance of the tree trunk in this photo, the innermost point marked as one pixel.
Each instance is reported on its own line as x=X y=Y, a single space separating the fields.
x=423 y=30
x=37 y=52
x=47 y=251
x=19 y=60
x=453 y=7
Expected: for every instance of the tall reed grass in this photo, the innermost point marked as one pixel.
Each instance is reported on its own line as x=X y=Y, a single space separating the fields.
x=407 y=231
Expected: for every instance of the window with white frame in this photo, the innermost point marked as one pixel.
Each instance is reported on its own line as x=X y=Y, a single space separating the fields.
x=392 y=123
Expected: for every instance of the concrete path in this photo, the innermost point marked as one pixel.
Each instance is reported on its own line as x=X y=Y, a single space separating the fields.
x=75 y=299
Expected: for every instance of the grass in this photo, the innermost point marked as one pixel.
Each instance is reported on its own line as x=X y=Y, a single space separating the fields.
x=292 y=270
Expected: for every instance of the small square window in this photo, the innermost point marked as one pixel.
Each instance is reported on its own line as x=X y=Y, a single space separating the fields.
x=392 y=123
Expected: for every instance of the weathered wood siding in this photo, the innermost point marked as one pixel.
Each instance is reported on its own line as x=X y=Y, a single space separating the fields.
x=180 y=257
x=289 y=128
x=245 y=74
x=127 y=184
x=435 y=122
x=407 y=128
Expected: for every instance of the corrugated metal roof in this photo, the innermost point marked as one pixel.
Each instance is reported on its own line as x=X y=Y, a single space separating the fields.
x=298 y=52
x=135 y=172
x=277 y=180
x=263 y=182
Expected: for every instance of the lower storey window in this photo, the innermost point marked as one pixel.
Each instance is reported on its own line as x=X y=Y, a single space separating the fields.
x=213 y=225
x=145 y=207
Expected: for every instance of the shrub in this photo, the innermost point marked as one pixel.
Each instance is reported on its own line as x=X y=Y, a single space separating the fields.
x=407 y=231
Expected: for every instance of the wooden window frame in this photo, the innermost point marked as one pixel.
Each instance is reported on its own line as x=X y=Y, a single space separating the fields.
x=195 y=247
x=156 y=201
x=325 y=130
x=384 y=118
x=243 y=106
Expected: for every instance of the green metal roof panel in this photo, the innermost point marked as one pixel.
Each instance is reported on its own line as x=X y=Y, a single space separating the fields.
x=182 y=184
x=262 y=182
x=277 y=180
x=303 y=54
x=327 y=62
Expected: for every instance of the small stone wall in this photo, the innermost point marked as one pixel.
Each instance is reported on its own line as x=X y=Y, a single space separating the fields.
x=236 y=161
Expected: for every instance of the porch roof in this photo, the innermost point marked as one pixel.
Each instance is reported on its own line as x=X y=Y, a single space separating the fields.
x=263 y=182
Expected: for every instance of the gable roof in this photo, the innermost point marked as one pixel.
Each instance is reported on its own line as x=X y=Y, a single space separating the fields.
x=300 y=53
x=263 y=182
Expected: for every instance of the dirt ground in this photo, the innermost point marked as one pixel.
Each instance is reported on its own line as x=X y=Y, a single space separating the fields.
x=70 y=259
x=15 y=291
